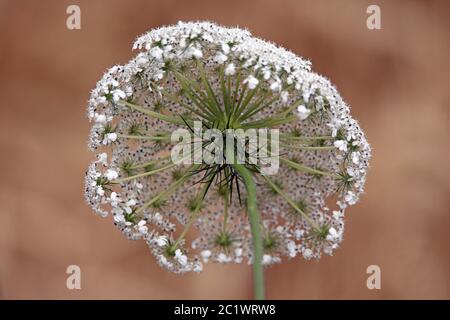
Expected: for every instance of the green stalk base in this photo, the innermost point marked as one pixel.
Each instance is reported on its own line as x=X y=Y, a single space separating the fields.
x=253 y=215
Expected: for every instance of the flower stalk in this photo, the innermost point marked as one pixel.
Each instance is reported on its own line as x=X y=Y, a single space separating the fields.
x=255 y=225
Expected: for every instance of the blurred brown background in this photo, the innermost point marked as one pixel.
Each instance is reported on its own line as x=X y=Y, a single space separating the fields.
x=396 y=79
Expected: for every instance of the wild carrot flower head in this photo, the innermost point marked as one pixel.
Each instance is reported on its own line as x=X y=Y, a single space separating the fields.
x=192 y=212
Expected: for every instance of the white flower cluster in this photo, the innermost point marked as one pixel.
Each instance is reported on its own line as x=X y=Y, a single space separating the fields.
x=182 y=73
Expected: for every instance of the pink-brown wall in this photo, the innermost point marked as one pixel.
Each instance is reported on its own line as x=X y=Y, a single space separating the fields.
x=396 y=80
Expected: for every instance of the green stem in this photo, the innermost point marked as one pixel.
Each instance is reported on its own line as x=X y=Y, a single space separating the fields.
x=203 y=113
x=292 y=203
x=287 y=136
x=141 y=137
x=149 y=173
x=255 y=223
x=193 y=215
x=153 y=114
x=269 y=122
x=209 y=91
x=257 y=106
x=253 y=215
x=306 y=169
x=172 y=188
x=145 y=174
x=151 y=163
x=308 y=148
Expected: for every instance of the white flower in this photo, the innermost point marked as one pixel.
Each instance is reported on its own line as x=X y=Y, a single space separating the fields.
x=120 y=219
x=351 y=171
x=128 y=206
x=131 y=202
x=328 y=250
x=111 y=174
x=267 y=259
x=332 y=234
x=205 y=255
x=101 y=100
x=146 y=45
x=292 y=249
x=194 y=52
x=225 y=48
x=298 y=233
x=275 y=86
x=341 y=145
x=306 y=96
x=163 y=260
x=102 y=158
x=335 y=125
x=355 y=157
x=142 y=228
x=198 y=267
x=118 y=94
x=180 y=257
x=220 y=58
x=207 y=37
x=342 y=205
x=110 y=137
x=238 y=253
x=284 y=96
x=230 y=69
x=303 y=112
x=351 y=198
x=100 y=191
x=129 y=91
x=141 y=60
x=157 y=217
x=337 y=215
x=157 y=53
x=114 y=199
x=290 y=80
x=195 y=31
x=100 y=118
x=251 y=82
x=183 y=43
x=307 y=254
x=162 y=241
x=139 y=185
x=223 y=258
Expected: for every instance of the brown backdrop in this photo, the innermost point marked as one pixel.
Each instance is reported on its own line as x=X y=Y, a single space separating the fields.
x=396 y=79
